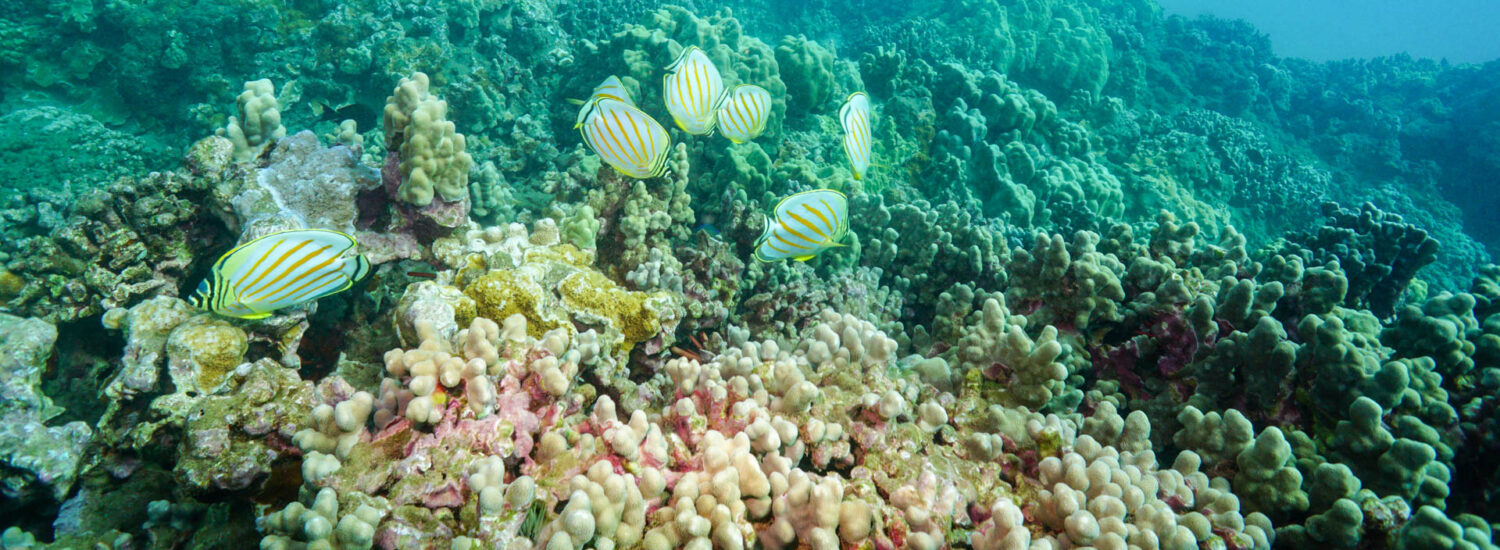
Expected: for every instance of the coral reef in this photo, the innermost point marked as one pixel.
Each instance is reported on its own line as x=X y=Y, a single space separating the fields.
x=134 y=239
x=1086 y=301
x=304 y=185
x=41 y=460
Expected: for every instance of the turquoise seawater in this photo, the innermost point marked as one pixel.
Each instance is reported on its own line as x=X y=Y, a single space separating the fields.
x=988 y=274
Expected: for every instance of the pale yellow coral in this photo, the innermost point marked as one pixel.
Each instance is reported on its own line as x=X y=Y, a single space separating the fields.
x=259 y=122
x=554 y=287
x=433 y=159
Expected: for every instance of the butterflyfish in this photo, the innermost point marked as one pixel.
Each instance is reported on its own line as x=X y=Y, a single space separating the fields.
x=280 y=270
x=611 y=88
x=693 y=91
x=855 y=116
x=743 y=116
x=626 y=138
x=804 y=225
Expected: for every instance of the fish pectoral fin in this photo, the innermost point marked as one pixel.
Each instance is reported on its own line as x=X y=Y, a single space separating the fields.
x=804 y=258
x=255 y=316
x=576 y=101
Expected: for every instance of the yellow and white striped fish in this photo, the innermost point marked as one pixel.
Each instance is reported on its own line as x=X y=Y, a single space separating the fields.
x=280 y=270
x=693 y=91
x=611 y=88
x=626 y=138
x=804 y=225
x=855 y=116
x=743 y=116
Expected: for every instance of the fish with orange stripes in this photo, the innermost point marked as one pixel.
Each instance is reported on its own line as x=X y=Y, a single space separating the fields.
x=627 y=138
x=804 y=225
x=280 y=270
x=743 y=116
x=855 y=117
x=693 y=91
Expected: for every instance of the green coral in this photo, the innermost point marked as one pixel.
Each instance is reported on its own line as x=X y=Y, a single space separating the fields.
x=1339 y=526
x=1090 y=290
x=1441 y=330
x=592 y=298
x=807 y=69
x=1268 y=480
x=1257 y=363
x=580 y=228
x=1430 y=528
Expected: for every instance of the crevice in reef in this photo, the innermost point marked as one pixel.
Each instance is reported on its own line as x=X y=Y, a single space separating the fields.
x=80 y=367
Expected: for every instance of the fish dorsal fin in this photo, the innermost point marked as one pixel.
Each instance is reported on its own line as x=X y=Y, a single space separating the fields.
x=613 y=88
x=682 y=58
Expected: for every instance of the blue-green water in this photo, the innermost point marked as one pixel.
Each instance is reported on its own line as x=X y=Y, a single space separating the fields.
x=964 y=273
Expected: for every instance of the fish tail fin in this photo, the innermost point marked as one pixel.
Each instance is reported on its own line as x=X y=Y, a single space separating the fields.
x=357 y=269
